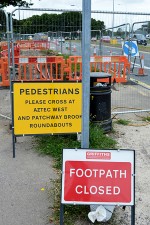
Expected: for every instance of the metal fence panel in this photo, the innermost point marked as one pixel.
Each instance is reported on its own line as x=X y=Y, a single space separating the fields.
x=45 y=32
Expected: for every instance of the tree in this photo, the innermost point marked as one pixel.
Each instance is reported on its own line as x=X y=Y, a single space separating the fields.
x=5 y=3
x=2 y=24
x=148 y=28
x=65 y=22
x=119 y=32
x=97 y=24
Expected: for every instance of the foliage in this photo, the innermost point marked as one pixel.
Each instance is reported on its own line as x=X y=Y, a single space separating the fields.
x=53 y=145
x=123 y=122
x=97 y=24
x=148 y=28
x=119 y=32
x=2 y=21
x=147 y=118
x=5 y=3
x=65 y=23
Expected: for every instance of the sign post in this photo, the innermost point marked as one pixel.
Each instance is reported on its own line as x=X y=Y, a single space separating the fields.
x=99 y=177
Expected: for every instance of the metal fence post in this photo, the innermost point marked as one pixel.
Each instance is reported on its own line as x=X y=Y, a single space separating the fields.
x=86 y=40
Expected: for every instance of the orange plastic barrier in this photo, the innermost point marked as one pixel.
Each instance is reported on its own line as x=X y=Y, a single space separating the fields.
x=4 y=79
x=55 y=68
x=4 y=50
x=3 y=45
x=117 y=66
x=39 y=68
x=74 y=68
x=34 y=68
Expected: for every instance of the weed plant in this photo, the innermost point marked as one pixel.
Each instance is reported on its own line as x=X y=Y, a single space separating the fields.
x=146 y=118
x=123 y=122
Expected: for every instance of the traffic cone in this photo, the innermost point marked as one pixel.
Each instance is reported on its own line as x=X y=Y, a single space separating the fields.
x=141 y=70
x=94 y=52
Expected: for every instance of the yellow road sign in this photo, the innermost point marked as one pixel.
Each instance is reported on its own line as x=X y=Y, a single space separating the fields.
x=47 y=108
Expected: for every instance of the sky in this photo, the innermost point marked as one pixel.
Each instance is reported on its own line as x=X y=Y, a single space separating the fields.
x=119 y=5
x=126 y=5
x=101 y=5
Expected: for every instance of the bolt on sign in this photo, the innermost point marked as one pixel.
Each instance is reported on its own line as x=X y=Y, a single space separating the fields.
x=46 y=107
x=98 y=177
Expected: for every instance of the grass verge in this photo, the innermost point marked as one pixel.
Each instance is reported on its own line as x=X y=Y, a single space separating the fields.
x=53 y=145
x=123 y=122
x=140 y=47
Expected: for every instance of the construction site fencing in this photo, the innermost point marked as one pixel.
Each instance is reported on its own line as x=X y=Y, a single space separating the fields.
x=4 y=74
x=55 y=68
x=117 y=66
x=38 y=36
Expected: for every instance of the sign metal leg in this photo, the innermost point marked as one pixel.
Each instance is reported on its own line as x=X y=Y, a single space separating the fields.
x=133 y=215
x=61 y=214
x=13 y=141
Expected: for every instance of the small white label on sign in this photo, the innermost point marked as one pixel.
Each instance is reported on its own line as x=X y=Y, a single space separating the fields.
x=41 y=60
x=23 y=60
x=106 y=59
x=92 y=59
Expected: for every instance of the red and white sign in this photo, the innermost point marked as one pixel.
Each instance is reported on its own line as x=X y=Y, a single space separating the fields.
x=98 y=177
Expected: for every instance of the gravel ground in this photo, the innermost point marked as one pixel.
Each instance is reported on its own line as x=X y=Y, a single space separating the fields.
x=25 y=179
x=137 y=137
